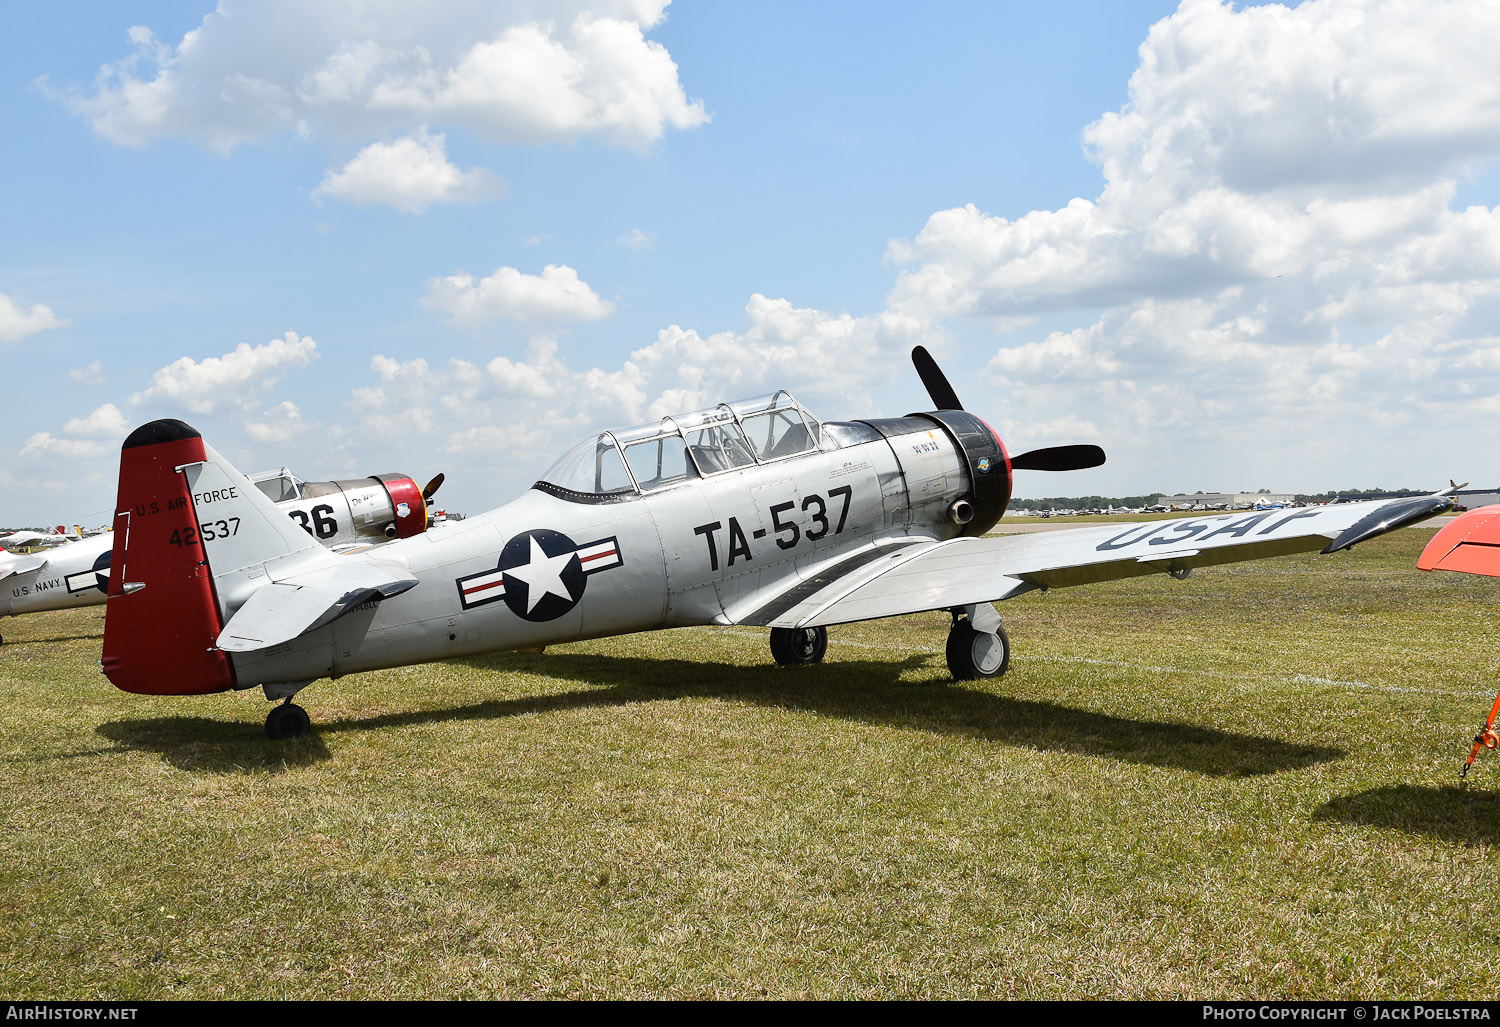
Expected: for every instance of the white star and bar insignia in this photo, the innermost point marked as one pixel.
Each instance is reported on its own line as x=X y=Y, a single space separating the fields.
x=538 y=576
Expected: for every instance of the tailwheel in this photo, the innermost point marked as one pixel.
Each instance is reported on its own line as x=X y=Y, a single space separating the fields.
x=793 y=646
x=977 y=654
x=287 y=721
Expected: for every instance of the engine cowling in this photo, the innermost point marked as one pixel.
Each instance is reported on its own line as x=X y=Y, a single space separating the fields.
x=988 y=464
x=956 y=474
x=383 y=506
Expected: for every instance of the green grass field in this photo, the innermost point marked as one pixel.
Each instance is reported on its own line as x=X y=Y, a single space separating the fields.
x=1242 y=784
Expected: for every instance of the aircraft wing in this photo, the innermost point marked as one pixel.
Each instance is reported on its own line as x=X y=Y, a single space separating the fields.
x=897 y=578
x=283 y=610
x=1470 y=544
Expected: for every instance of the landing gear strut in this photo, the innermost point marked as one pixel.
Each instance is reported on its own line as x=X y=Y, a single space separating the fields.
x=287 y=721
x=793 y=646
x=977 y=644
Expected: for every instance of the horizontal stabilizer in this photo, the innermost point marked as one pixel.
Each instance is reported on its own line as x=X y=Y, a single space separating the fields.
x=21 y=565
x=1471 y=544
x=284 y=610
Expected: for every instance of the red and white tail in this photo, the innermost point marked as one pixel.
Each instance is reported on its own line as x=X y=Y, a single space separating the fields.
x=191 y=539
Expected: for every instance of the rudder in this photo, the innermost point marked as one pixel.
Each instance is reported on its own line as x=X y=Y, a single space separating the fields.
x=161 y=615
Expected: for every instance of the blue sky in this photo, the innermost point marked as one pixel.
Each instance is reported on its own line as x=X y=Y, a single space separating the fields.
x=1237 y=247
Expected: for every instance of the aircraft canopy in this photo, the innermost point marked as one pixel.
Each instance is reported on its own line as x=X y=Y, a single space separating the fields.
x=685 y=447
x=278 y=486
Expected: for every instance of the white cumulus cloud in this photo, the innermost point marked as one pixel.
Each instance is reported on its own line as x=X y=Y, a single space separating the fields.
x=513 y=413
x=91 y=373
x=511 y=70
x=1276 y=248
x=557 y=294
x=281 y=423
x=17 y=322
x=233 y=379
x=637 y=240
x=105 y=422
x=47 y=445
x=409 y=174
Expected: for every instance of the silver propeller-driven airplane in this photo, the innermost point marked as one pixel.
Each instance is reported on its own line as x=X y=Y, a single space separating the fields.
x=746 y=513
x=18 y=540
x=339 y=514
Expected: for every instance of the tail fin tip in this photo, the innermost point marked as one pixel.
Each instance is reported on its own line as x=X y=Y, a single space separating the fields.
x=168 y=429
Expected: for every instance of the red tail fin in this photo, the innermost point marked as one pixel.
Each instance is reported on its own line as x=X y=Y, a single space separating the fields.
x=162 y=617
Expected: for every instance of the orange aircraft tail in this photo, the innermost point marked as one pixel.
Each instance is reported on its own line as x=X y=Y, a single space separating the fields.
x=1471 y=544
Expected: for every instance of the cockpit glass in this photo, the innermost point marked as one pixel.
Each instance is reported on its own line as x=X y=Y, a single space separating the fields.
x=779 y=433
x=719 y=447
x=660 y=462
x=683 y=447
x=278 y=486
x=593 y=466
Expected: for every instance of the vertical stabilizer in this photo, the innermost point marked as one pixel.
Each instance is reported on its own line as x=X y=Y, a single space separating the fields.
x=162 y=616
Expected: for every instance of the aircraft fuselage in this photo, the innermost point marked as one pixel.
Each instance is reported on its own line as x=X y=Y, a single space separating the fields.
x=555 y=567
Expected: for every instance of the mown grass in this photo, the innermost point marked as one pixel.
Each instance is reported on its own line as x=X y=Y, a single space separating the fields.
x=1243 y=784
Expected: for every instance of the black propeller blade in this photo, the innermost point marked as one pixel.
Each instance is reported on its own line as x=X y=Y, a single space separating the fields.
x=943 y=396
x=1059 y=458
x=433 y=486
x=1053 y=458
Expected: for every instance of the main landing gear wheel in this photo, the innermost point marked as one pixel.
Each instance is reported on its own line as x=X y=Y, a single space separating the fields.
x=977 y=654
x=287 y=721
x=793 y=646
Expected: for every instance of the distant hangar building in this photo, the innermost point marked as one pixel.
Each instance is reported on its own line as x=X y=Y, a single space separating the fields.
x=1475 y=498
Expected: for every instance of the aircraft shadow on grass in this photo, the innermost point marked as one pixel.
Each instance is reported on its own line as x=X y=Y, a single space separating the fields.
x=869 y=692
x=198 y=743
x=1453 y=813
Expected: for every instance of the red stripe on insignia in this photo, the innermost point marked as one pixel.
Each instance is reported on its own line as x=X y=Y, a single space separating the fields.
x=481 y=588
x=597 y=556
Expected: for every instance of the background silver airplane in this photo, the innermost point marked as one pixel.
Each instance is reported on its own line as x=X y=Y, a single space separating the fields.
x=16 y=541
x=338 y=514
x=745 y=513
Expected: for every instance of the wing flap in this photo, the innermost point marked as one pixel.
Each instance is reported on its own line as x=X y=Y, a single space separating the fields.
x=936 y=578
x=283 y=610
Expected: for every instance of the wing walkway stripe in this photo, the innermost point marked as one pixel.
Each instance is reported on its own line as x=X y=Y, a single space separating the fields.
x=811 y=586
